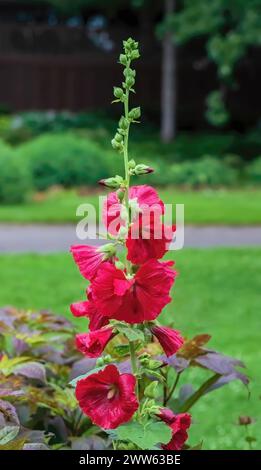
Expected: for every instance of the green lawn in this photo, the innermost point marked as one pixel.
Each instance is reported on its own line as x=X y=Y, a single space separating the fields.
x=217 y=292
x=232 y=207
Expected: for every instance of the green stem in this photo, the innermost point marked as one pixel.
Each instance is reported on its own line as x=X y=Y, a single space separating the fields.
x=127 y=178
x=172 y=390
x=126 y=159
x=134 y=364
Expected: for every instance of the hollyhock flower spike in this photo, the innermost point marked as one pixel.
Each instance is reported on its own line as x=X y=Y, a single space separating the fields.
x=124 y=298
x=179 y=425
x=137 y=299
x=108 y=397
x=94 y=343
x=170 y=340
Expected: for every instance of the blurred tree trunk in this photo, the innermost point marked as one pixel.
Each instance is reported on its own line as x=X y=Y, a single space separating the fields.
x=168 y=81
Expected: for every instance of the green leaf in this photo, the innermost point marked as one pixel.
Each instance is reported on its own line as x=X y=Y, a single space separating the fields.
x=7 y=365
x=80 y=377
x=131 y=333
x=8 y=433
x=145 y=436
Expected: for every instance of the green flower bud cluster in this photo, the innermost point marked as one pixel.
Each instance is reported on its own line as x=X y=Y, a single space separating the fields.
x=102 y=361
x=121 y=94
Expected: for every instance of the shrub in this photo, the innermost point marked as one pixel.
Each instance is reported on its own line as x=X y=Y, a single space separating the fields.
x=66 y=160
x=254 y=171
x=207 y=171
x=15 y=177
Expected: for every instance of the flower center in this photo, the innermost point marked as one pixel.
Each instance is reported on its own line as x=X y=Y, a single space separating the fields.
x=112 y=392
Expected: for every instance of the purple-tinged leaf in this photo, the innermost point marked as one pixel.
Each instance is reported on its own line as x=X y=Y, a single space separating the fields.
x=124 y=367
x=6 y=319
x=8 y=392
x=178 y=363
x=20 y=346
x=218 y=363
x=8 y=414
x=82 y=367
x=31 y=370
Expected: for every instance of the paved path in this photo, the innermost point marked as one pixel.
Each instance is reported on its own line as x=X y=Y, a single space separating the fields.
x=58 y=238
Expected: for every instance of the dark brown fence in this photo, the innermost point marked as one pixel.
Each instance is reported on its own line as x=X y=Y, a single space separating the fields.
x=44 y=67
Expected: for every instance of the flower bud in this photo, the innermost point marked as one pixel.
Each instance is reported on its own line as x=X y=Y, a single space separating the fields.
x=135 y=113
x=132 y=164
x=109 y=251
x=142 y=169
x=130 y=82
x=123 y=123
x=100 y=362
x=118 y=137
x=152 y=364
x=151 y=390
x=123 y=59
x=121 y=194
x=118 y=92
x=116 y=145
x=134 y=54
x=113 y=182
x=107 y=359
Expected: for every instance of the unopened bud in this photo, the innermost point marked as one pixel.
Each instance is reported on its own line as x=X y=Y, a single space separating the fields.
x=107 y=359
x=118 y=137
x=123 y=59
x=116 y=145
x=132 y=164
x=151 y=390
x=130 y=82
x=121 y=194
x=135 y=113
x=109 y=251
x=114 y=182
x=100 y=362
x=142 y=169
x=118 y=92
x=134 y=54
x=123 y=123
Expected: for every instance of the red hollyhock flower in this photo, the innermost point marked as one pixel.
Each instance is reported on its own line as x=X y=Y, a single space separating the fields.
x=88 y=309
x=148 y=238
x=170 y=340
x=179 y=425
x=134 y=300
x=92 y=344
x=108 y=397
x=89 y=258
x=145 y=195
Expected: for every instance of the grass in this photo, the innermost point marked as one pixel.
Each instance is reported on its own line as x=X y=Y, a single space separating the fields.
x=232 y=207
x=217 y=292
